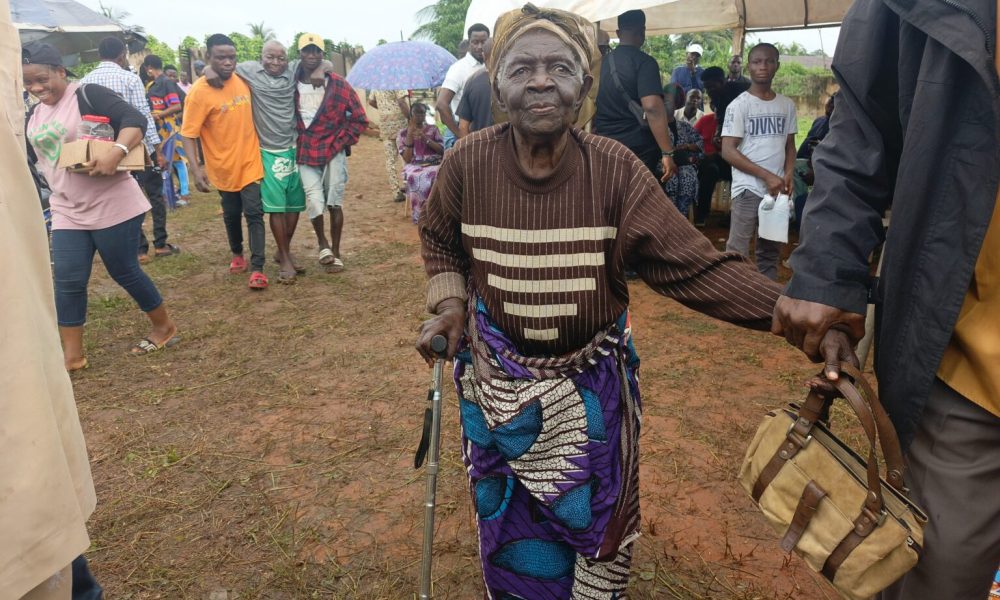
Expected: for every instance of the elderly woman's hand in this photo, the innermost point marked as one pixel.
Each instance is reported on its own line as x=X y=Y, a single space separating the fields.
x=449 y=322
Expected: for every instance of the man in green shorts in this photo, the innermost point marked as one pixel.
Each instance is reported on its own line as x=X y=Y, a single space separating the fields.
x=272 y=85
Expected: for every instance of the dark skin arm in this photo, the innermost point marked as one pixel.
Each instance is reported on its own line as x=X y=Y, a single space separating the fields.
x=464 y=128
x=824 y=333
x=449 y=321
x=317 y=77
x=730 y=152
x=443 y=107
x=789 y=178
x=656 y=115
x=108 y=163
x=197 y=173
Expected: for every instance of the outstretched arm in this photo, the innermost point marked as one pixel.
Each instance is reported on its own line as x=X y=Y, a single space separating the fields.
x=855 y=171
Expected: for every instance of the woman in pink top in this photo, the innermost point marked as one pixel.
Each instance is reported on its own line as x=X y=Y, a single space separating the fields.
x=98 y=211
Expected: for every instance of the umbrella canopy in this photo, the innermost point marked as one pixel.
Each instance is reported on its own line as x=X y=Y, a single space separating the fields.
x=401 y=66
x=69 y=26
x=682 y=16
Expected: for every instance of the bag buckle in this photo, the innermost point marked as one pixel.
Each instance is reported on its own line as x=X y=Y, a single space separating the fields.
x=797 y=437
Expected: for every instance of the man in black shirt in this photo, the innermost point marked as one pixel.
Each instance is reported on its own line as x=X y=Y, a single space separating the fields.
x=475 y=110
x=722 y=92
x=639 y=78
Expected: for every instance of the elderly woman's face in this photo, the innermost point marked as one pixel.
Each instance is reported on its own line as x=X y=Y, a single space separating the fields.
x=541 y=84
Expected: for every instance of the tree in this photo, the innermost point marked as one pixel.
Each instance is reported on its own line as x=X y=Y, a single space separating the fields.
x=793 y=49
x=261 y=31
x=189 y=42
x=165 y=52
x=443 y=23
x=671 y=50
x=118 y=16
x=247 y=48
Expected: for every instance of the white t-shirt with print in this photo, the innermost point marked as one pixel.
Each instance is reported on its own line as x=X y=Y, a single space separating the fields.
x=457 y=75
x=764 y=126
x=310 y=101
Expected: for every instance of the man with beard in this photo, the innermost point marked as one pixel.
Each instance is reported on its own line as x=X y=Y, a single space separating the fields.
x=525 y=240
x=223 y=120
x=454 y=82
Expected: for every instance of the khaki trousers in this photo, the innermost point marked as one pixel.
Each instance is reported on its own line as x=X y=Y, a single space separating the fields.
x=954 y=475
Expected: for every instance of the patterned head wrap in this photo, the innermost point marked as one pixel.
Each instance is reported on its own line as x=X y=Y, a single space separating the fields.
x=578 y=33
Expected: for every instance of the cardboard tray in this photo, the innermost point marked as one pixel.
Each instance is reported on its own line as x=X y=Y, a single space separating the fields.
x=75 y=154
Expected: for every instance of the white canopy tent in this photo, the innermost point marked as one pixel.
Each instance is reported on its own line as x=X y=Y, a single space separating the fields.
x=683 y=16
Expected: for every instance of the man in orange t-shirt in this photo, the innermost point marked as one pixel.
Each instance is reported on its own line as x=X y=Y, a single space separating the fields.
x=223 y=120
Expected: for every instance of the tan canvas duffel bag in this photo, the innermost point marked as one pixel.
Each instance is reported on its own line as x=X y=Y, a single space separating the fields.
x=859 y=530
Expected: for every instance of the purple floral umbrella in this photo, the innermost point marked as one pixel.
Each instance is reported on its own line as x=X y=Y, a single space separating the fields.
x=401 y=66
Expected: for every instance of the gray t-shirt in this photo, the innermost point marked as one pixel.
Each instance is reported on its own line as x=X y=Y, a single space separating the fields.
x=273 y=104
x=764 y=126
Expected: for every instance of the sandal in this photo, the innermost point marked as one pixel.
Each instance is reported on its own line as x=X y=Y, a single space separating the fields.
x=258 y=281
x=336 y=266
x=83 y=366
x=237 y=265
x=326 y=257
x=147 y=346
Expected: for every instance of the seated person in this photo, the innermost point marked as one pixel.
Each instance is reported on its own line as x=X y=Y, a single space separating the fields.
x=690 y=111
x=682 y=188
x=818 y=131
x=422 y=147
x=712 y=169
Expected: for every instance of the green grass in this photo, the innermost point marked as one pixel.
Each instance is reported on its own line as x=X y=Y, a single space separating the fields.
x=804 y=124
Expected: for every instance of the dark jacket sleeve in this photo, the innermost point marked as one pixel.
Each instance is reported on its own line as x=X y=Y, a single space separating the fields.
x=855 y=165
x=108 y=104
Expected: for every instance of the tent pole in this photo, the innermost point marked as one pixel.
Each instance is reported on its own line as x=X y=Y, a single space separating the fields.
x=739 y=38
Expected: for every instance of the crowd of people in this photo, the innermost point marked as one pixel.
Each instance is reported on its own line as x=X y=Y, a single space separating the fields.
x=543 y=194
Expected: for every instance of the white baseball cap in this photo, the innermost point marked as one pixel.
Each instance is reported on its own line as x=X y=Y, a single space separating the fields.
x=696 y=48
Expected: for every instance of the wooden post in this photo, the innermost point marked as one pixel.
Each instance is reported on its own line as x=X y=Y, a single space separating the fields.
x=739 y=37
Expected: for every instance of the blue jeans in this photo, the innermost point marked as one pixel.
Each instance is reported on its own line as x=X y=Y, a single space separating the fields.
x=73 y=258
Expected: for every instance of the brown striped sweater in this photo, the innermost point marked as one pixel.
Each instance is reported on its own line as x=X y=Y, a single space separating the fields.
x=548 y=256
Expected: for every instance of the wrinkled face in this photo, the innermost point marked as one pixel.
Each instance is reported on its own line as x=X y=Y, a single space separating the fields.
x=476 y=45
x=171 y=75
x=46 y=83
x=693 y=99
x=736 y=65
x=311 y=57
x=222 y=59
x=275 y=59
x=541 y=85
x=763 y=65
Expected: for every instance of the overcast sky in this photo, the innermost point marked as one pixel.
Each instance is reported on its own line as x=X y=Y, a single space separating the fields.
x=358 y=21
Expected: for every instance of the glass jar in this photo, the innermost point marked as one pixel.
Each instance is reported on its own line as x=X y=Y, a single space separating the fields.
x=95 y=127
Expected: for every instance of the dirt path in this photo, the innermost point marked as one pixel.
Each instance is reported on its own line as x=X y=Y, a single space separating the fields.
x=270 y=454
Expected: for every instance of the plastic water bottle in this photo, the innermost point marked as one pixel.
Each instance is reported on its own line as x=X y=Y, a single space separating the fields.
x=95 y=127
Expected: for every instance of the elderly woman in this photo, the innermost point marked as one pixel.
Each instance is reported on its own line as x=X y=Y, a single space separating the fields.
x=421 y=147
x=100 y=210
x=525 y=239
x=682 y=188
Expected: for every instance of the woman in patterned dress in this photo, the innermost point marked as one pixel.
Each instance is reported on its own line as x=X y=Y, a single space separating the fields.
x=421 y=147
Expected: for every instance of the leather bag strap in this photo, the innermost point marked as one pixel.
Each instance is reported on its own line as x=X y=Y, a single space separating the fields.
x=891 y=450
x=804 y=513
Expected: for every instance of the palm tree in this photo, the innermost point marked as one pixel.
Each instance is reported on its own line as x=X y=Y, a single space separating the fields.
x=118 y=16
x=261 y=31
x=443 y=23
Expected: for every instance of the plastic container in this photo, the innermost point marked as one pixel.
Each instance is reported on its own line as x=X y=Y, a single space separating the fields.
x=773 y=216
x=95 y=127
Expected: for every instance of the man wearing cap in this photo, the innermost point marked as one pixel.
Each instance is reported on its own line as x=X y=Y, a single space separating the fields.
x=630 y=86
x=526 y=237
x=329 y=119
x=455 y=80
x=688 y=75
x=223 y=120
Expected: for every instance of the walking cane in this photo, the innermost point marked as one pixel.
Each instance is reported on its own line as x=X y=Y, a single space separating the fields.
x=430 y=441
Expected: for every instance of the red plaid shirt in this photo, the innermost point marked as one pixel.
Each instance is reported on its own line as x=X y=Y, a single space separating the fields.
x=332 y=130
